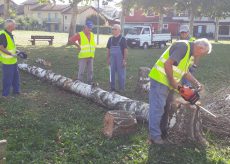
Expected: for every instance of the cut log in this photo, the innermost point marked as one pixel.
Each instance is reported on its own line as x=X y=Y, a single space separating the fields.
x=118 y=123
x=3 y=151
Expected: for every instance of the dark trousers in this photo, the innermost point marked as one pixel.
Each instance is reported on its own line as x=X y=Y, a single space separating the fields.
x=10 y=78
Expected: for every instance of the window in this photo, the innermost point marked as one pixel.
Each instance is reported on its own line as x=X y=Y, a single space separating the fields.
x=49 y=16
x=65 y=17
x=146 y=31
x=39 y=15
x=224 y=30
x=165 y=26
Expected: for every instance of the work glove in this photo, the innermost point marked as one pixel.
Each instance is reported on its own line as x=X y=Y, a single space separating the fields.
x=189 y=94
x=22 y=55
x=193 y=68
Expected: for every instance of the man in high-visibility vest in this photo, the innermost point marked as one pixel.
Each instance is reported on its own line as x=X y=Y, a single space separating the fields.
x=10 y=73
x=165 y=78
x=85 y=43
x=184 y=35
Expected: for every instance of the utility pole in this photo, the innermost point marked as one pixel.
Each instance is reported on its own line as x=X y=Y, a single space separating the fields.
x=98 y=24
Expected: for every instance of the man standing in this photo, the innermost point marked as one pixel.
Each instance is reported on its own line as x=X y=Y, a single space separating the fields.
x=9 y=59
x=117 y=58
x=85 y=44
x=165 y=77
x=184 y=35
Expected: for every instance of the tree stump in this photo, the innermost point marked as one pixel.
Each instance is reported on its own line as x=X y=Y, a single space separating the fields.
x=117 y=123
x=143 y=83
x=3 y=151
x=185 y=123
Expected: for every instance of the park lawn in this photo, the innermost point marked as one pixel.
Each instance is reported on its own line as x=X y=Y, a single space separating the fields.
x=49 y=125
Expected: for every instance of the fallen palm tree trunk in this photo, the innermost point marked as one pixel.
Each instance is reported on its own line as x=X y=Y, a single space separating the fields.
x=176 y=121
x=218 y=103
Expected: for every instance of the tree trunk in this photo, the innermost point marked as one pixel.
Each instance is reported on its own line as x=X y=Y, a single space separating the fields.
x=219 y=125
x=191 y=22
x=161 y=17
x=185 y=123
x=110 y=100
x=217 y=29
x=123 y=13
x=6 y=9
x=72 y=27
x=115 y=101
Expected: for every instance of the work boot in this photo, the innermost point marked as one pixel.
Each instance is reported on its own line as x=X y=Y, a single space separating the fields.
x=159 y=141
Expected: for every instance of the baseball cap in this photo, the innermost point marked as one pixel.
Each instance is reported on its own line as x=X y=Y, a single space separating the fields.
x=89 y=24
x=184 y=28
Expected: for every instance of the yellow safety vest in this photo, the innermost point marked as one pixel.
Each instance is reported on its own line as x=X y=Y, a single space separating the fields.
x=11 y=47
x=158 y=74
x=192 y=39
x=87 y=47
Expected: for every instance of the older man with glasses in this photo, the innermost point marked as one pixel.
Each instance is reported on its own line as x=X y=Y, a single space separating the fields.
x=117 y=58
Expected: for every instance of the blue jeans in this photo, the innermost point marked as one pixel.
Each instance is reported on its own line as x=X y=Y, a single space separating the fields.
x=10 y=78
x=157 y=101
x=185 y=81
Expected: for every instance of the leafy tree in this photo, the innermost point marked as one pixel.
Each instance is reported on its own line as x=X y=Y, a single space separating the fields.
x=94 y=19
x=6 y=8
x=28 y=23
x=159 y=6
x=194 y=7
x=74 y=5
x=216 y=9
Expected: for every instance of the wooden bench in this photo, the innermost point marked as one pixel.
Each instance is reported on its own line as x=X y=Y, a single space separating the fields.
x=41 y=38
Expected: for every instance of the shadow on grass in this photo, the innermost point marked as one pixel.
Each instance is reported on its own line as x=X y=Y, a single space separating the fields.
x=170 y=154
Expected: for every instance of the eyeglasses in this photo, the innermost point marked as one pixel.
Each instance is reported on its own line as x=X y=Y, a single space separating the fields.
x=114 y=29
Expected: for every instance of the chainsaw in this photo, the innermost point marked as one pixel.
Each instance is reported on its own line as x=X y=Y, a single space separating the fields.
x=192 y=96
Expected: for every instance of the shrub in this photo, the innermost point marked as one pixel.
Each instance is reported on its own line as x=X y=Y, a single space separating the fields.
x=27 y=23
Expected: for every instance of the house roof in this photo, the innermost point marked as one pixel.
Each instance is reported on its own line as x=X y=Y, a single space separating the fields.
x=81 y=9
x=30 y=2
x=49 y=7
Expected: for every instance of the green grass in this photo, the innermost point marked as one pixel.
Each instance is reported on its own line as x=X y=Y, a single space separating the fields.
x=48 y=125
